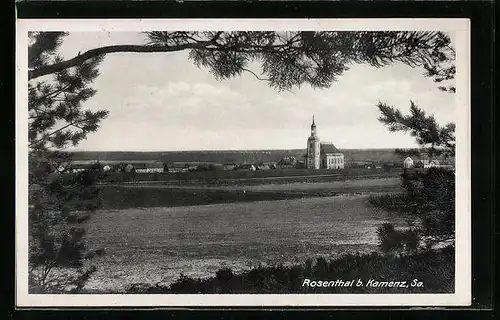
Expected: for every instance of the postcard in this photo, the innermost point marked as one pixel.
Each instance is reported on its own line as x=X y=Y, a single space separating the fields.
x=243 y=162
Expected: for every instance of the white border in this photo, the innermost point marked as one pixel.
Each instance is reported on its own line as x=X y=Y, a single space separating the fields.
x=462 y=295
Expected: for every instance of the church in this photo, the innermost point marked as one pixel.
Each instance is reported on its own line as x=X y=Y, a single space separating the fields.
x=321 y=155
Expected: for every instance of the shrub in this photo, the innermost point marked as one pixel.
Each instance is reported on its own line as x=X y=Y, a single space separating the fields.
x=428 y=202
x=224 y=274
x=395 y=241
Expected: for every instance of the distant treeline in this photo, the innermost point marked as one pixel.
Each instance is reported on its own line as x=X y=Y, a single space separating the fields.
x=235 y=156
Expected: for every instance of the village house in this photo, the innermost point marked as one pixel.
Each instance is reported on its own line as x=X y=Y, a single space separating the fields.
x=408 y=163
x=287 y=162
x=129 y=167
x=301 y=164
x=248 y=167
x=182 y=167
x=148 y=167
x=434 y=164
x=178 y=167
x=262 y=166
x=197 y=166
x=208 y=167
x=360 y=164
x=229 y=166
x=80 y=167
x=425 y=163
x=76 y=166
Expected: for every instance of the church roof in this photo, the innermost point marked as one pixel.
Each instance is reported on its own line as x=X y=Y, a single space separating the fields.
x=329 y=148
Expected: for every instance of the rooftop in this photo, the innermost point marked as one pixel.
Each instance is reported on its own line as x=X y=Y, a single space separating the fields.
x=328 y=147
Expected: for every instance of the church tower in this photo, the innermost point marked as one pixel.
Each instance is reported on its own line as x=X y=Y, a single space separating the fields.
x=313 y=149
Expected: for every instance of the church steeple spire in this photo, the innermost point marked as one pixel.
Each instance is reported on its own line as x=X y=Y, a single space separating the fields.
x=313 y=128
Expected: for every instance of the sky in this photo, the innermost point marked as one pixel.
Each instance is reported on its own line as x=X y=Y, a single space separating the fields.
x=163 y=102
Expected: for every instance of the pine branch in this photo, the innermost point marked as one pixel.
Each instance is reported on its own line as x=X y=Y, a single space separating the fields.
x=55 y=92
x=424 y=128
x=57 y=67
x=329 y=51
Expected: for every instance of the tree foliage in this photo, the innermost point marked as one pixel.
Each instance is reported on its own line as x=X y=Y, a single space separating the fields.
x=434 y=139
x=58 y=205
x=429 y=197
x=289 y=59
x=428 y=203
x=56 y=115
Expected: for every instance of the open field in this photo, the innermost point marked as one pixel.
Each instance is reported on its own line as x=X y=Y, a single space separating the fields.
x=152 y=233
x=153 y=244
x=164 y=195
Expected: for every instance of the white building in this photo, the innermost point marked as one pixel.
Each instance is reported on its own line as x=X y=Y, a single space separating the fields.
x=149 y=167
x=422 y=163
x=331 y=158
x=408 y=163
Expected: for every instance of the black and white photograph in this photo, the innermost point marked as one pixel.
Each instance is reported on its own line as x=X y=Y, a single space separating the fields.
x=219 y=162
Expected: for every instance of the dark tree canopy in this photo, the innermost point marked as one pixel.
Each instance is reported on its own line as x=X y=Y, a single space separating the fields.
x=287 y=59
